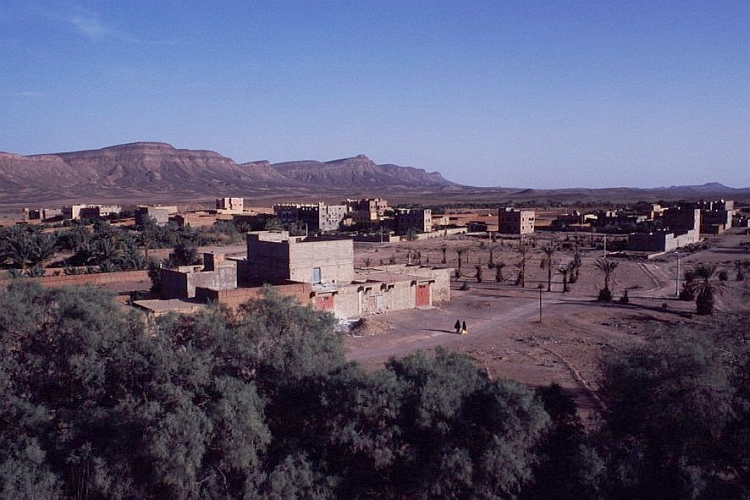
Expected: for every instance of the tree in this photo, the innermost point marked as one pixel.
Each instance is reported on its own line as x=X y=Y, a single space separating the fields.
x=704 y=288
x=566 y=272
x=462 y=435
x=688 y=290
x=569 y=467
x=575 y=266
x=523 y=250
x=491 y=262
x=19 y=247
x=739 y=269
x=607 y=268
x=669 y=406
x=499 y=266
x=44 y=247
x=183 y=255
x=548 y=262
x=460 y=252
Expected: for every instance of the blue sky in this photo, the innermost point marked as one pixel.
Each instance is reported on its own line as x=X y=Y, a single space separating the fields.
x=527 y=93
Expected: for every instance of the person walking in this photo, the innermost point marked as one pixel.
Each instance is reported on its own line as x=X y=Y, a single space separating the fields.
x=457 y=326
x=464 y=331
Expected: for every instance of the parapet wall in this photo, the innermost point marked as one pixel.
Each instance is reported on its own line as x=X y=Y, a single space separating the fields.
x=237 y=296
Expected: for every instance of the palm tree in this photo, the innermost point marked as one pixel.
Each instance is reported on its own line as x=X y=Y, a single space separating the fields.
x=688 y=290
x=739 y=267
x=460 y=251
x=548 y=262
x=20 y=248
x=523 y=250
x=491 y=263
x=575 y=266
x=108 y=250
x=566 y=272
x=45 y=246
x=499 y=272
x=705 y=288
x=607 y=267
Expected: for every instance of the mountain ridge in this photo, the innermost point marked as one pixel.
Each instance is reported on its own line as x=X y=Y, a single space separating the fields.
x=146 y=171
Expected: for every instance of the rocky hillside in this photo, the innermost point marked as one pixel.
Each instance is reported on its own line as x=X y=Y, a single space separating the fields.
x=146 y=170
x=360 y=172
x=153 y=172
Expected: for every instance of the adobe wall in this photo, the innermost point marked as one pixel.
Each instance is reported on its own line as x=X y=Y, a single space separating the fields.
x=441 y=288
x=178 y=284
x=267 y=260
x=363 y=299
x=235 y=297
x=84 y=279
x=335 y=258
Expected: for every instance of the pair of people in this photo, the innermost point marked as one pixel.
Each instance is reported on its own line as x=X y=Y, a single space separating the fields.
x=460 y=327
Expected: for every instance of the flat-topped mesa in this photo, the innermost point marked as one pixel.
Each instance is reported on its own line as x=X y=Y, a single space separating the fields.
x=142 y=149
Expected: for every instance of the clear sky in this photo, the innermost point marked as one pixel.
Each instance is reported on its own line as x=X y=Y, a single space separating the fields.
x=525 y=93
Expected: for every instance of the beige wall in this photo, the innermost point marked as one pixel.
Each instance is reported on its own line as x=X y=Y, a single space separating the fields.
x=277 y=257
x=334 y=258
x=388 y=289
x=238 y=296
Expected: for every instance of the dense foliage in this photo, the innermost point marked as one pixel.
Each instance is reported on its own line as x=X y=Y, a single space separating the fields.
x=99 y=246
x=260 y=403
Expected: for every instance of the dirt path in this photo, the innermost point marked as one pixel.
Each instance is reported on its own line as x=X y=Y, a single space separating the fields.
x=506 y=339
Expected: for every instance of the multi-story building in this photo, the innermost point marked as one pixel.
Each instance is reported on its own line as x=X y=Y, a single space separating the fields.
x=234 y=205
x=160 y=214
x=275 y=256
x=73 y=212
x=98 y=211
x=681 y=227
x=413 y=218
x=317 y=217
x=318 y=271
x=515 y=221
x=374 y=206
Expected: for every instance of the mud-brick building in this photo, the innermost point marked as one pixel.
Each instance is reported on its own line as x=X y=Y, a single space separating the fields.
x=385 y=289
x=514 y=221
x=684 y=228
x=275 y=256
x=217 y=273
x=319 y=271
x=413 y=218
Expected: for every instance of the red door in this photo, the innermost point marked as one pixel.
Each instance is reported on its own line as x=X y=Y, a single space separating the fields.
x=324 y=302
x=423 y=295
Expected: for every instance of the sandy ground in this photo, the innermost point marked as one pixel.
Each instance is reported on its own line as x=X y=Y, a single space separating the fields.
x=506 y=336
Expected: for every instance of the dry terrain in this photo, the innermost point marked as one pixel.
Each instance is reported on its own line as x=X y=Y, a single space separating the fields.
x=505 y=335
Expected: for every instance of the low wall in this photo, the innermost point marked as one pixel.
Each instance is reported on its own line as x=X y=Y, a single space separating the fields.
x=83 y=279
x=235 y=297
